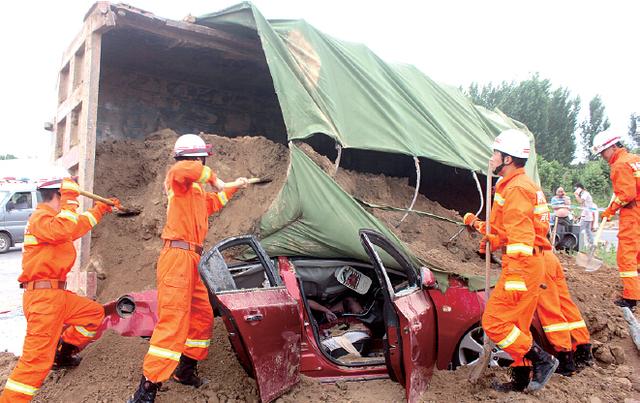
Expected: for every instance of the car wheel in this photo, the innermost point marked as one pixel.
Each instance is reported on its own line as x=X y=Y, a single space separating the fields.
x=5 y=242
x=470 y=350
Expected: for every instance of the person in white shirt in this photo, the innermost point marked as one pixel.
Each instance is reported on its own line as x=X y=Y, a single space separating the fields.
x=588 y=214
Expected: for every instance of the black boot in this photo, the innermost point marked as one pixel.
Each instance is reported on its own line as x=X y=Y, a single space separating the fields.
x=567 y=366
x=520 y=377
x=187 y=372
x=583 y=356
x=66 y=356
x=146 y=392
x=544 y=364
x=626 y=303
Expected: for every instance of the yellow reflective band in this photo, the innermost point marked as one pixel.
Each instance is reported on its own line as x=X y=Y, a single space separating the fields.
x=556 y=327
x=540 y=209
x=515 y=248
x=576 y=325
x=636 y=174
x=69 y=215
x=83 y=331
x=515 y=285
x=205 y=175
x=617 y=200
x=198 y=343
x=510 y=339
x=170 y=194
x=91 y=217
x=30 y=240
x=74 y=202
x=20 y=387
x=499 y=199
x=625 y=274
x=164 y=353
x=222 y=196
x=197 y=186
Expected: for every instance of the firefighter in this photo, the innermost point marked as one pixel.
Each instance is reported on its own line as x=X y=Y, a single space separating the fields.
x=625 y=178
x=519 y=222
x=182 y=335
x=59 y=322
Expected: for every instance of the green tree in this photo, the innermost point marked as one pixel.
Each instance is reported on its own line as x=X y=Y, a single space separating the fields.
x=551 y=114
x=594 y=124
x=634 y=128
x=7 y=157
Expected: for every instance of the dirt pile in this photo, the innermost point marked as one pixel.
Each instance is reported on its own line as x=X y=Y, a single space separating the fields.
x=127 y=247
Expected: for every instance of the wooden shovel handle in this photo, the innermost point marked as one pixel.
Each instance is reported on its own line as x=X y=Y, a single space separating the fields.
x=238 y=183
x=96 y=197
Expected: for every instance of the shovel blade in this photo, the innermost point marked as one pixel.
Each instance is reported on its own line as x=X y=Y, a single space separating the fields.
x=588 y=261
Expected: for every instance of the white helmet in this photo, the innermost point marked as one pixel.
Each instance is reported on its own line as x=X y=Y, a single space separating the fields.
x=514 y=143
x=604 y=140
x=191 y=145
x=54 y=181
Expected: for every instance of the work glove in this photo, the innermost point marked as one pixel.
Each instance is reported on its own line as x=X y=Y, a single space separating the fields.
x=69 y=188
x=469 y=219
x=103 y=208
x=608 y=213
x=493 y=240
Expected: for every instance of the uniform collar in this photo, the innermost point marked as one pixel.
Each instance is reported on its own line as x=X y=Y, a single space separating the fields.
x=617 y=154
x=506 y=179
x=44 y=206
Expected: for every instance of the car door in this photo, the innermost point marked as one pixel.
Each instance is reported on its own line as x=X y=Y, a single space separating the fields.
x=261 y=317
x=409 y=316
x=17 y=211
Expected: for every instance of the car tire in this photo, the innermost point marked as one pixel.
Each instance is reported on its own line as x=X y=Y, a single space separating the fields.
x=5 y=242
x=470 y=348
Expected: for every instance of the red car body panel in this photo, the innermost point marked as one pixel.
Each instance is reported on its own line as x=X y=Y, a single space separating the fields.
x=419 y=338
x=458 y=310
x=265 y=323
x=140 y=323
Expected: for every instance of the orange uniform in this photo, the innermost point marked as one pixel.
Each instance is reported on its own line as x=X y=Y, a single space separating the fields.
x=49 y=255
x=557 y=285
x=625 y=177
x=185 y=317
x=520 y=218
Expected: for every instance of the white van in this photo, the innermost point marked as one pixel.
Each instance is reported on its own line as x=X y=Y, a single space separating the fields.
x=17 y=202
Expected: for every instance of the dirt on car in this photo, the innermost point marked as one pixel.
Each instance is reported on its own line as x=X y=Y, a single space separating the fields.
x=125 y=250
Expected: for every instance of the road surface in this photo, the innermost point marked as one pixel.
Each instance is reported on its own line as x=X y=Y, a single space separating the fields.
x=13 y=325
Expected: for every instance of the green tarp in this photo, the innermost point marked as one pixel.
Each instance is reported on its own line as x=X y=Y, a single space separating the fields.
x=314 y=216
x=345 y=91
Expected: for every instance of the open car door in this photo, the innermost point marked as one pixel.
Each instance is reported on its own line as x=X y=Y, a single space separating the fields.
x=261 y=317
x=409 y=317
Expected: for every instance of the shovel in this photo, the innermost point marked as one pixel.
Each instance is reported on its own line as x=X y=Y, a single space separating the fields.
x=588 y=260
x=121 y=211
x=252 y=181
x=553 y=234
x=483 y=362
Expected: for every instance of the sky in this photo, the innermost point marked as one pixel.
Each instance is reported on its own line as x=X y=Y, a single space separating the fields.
x=589 y=47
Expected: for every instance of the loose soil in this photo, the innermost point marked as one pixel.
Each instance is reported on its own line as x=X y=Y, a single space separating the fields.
x=125 y=249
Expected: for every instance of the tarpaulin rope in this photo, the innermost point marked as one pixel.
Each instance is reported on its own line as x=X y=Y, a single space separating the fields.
x=415 y=194
x=418 y=212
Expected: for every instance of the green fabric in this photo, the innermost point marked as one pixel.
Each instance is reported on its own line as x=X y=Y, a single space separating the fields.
x=313 y=216
x=345 y=91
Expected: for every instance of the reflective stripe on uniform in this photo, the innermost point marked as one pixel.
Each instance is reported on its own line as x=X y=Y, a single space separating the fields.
x=556 y=327
x=20 y=387
x=30 y=240
x=83 y=331
x=636 y=174
x=515 y=285
x=625 y=274
x=170 y=194
x=540 y=209
x=197 y=186
x=91 y=217
x=617 y=200
x=74 y=202
x=576 y=325
x=198 y=343
x=499 y=199
x=205 y=175
x=69 y=215
x=522 y=248
x=222 y=196
x=510 y=339
x=164 y=353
